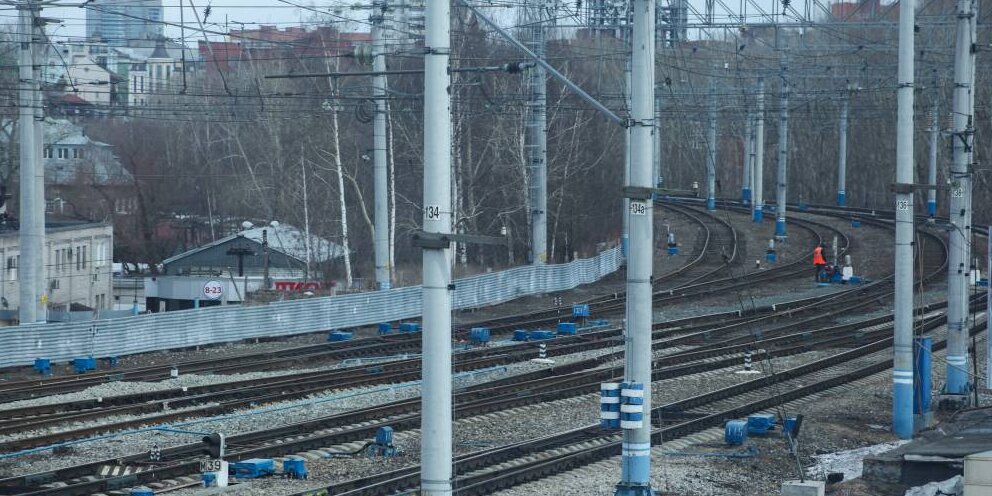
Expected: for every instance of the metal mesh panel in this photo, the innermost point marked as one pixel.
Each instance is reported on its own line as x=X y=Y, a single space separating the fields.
x=137 y=334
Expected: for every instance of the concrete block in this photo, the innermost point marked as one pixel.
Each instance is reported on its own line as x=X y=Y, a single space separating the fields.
x=807 y=488
x=976 y=490
x=978 y=469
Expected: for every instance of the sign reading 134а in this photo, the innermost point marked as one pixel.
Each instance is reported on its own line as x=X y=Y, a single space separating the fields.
x=638 y=208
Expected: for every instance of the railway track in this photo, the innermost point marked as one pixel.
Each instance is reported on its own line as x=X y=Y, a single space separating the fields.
x=391 y=345
x=228 y=397
x=692 y=364
x=570 y=381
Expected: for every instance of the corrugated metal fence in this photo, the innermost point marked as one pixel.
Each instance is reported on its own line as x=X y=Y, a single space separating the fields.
x=159 y=331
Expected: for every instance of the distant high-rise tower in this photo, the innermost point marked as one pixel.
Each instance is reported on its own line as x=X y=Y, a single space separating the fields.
x=117 y=22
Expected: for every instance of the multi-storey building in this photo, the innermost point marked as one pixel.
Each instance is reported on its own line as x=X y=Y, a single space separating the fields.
x=116 y=22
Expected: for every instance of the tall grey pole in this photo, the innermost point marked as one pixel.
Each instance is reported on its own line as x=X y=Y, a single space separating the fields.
x=960 y=192
x=41 y=264
x=435 y=448
x=934 y=130
x=988 y=309
x=383 y=277
x=711 y=153
x=842 y=152
x=625 y=241
x=659 y=178
x=636 y=446
x=758 y=167
x=783 y=157
x=748 y=158
x=29 y=240
x=538 y=143
x=902 y=374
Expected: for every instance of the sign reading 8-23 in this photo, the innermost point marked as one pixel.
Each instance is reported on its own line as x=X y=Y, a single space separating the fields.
x=213 y=290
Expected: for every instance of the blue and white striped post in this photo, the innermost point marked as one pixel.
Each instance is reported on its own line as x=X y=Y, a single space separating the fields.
x=636 y=454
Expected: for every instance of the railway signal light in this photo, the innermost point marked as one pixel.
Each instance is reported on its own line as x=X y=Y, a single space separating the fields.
x=214 y=445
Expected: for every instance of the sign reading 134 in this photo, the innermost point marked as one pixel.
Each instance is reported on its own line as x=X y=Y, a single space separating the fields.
x=433 y=212
x=638 y=208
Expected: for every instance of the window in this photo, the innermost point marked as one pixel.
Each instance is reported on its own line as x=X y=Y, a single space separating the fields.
x=66 y=255
x=48 y=152
x=12 y=268
x=58 y=260
x=79 y=259
x=77 y=153
x=63 y=153
x=84 y=256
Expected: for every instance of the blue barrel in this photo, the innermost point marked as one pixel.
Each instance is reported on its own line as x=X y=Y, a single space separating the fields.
x=384 y=436
x=141 y=491
x=760 y=423
x=336 y=336
x=111 y=360
x=479 y=335
x=409 y=327
x=788 y=425
x=580 y=311
x=567 y=328
x=541 y=335
x=43 y=365
x=385 y=328
x=209 y=480
x=294 y=468
x=83 y=364
x=855 y=223
x=771 y=256
x=735 y=432
x=521 y=335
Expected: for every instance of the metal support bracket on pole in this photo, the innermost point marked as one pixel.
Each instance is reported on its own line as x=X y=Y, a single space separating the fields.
x=906 y=188
x=639 y=193
x=437 y=241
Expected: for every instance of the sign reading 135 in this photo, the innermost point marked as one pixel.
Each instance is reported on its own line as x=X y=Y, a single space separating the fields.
x=902 y=204
x=638 y=208
x=432 y=212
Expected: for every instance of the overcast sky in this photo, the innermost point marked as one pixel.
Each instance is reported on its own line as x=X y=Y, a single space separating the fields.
x=223 y=14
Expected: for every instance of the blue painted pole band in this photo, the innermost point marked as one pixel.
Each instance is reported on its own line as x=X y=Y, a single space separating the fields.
x=757 y=214
x=711 y=203
x=780 y=228
x=932 y=208
x=841 y=198
x=746 y=195
x=902 y=403
x=957 y=374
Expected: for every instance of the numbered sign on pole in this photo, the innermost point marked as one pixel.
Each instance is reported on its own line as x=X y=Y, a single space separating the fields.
x=638 y=208
x=213 y=290
x=432 y=212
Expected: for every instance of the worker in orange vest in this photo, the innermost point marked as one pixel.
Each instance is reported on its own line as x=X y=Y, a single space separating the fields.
x=818 y=261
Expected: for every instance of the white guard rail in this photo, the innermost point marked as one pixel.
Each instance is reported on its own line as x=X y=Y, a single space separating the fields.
x=63 y=341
